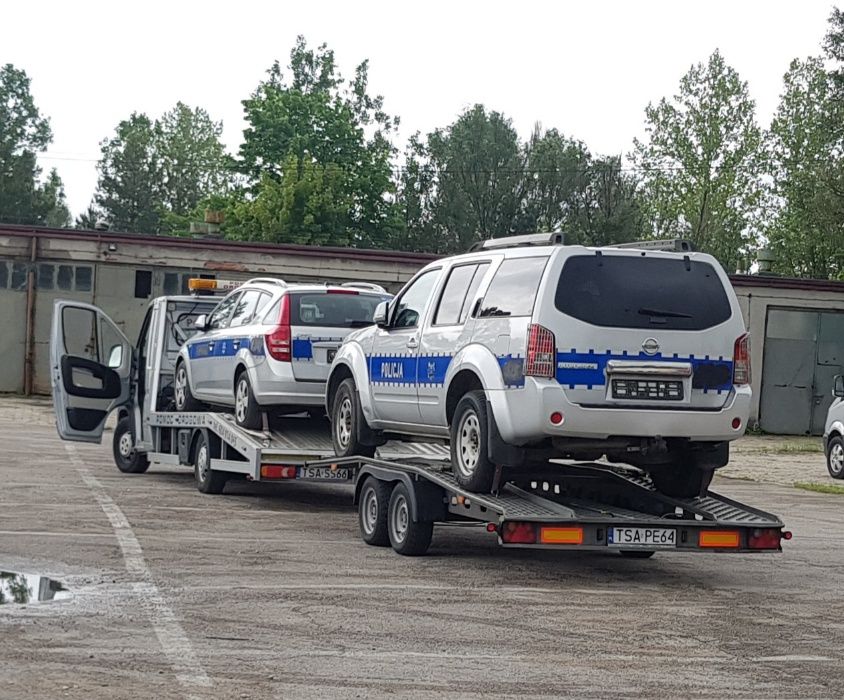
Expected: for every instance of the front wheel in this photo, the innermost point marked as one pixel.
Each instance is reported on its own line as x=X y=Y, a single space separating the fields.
x=126 y=457
x=408 y=537
x=247 y=412
x=469 y=440
x=182 y=394
x=347 y=422
x=835 y=457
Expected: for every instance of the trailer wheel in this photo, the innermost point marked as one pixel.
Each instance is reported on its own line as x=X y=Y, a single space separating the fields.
x=247 y=412
x=347 y=422
x=406 y=536
x=637 y=553
x=835 y=457
x=469 y=444
x=126 y=457
x=181 y=390
x=207 y=480
x=372 y=512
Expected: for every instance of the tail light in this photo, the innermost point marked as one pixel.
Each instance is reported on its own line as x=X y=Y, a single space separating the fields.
x=741 y=360
x=518 y=533
x=765 y=539
x=541 y=352
x=279 y=341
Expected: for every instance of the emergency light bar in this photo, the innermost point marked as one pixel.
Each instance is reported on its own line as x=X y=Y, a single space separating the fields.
x=198 y=284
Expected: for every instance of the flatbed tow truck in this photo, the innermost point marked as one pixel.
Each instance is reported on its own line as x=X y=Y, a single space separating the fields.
x=402 y=492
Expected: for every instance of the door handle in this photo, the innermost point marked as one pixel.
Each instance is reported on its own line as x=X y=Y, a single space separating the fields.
x=413 y=343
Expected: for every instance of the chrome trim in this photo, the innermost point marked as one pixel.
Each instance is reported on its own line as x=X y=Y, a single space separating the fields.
x=662 y=369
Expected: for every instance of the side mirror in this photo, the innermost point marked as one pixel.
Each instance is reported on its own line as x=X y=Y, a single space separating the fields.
x=379 y=318
x=201 y=322
x=115 y=356
x=838 y=386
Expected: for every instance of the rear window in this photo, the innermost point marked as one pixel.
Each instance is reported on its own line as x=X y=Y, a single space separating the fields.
x=642 y=292
x=513 y=289
x=338 y=310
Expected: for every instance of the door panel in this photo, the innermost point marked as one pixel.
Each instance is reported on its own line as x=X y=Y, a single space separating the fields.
x=91 y=369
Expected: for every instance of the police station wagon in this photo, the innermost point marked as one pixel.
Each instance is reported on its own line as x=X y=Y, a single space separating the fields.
x=268 y=345
x=526 y=349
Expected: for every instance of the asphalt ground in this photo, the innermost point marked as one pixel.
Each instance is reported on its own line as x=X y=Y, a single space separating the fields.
x=267 y=591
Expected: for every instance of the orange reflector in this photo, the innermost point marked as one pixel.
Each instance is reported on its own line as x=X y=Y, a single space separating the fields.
x=277 y=471
x=561 y=535
x=719 y=538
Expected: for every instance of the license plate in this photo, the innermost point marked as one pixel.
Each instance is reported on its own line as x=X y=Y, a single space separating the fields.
x=647 y=389
x=330 y=355
x=324 y=473
x=642 y=537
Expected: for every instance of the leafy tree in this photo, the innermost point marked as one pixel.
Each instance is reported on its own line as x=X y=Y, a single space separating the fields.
x=129 y=192
x=315 y=130
x=89 y=218
x=834 y=48
x=701 y=163
x=23 y=133
x=415 y=228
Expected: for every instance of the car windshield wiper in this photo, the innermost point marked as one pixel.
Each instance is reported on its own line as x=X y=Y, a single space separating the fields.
x=493 y=311
x=645 y=311
x=358 y=324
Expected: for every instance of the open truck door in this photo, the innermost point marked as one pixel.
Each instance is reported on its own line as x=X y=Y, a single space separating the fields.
x=91 y=370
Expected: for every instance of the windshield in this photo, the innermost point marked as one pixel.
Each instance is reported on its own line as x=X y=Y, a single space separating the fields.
x=622 y=291
x=334 y=309
x=181 y=320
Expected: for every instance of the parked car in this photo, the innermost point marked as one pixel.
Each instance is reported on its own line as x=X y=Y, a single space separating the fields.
x=267 y=346
x=833 y=434
x=526 y=350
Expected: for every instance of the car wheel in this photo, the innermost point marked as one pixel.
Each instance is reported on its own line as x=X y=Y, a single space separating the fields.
x=469 y=443
x=406 y=536
x=835 y=457
x=126 y=457
x=247 y=412
x=207 y=480
x=681 y=481
x=372 y=512
x=347 y=422
x=181 y=391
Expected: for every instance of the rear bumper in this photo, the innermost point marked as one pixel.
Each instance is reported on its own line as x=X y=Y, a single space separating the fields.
x=282 y=389
x=523 y=415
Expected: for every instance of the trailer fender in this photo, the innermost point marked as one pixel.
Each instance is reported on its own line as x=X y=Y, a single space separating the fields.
x=427 y=502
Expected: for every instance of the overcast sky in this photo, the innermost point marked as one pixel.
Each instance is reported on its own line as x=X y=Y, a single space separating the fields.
x=588 y=68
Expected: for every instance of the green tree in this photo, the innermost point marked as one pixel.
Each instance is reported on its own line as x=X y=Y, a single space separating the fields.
x=24 y=133
x=129 y=192
x=701 y=163
x=309 y=131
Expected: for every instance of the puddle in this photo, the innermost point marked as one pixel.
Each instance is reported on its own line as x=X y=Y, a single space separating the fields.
x=29 y=588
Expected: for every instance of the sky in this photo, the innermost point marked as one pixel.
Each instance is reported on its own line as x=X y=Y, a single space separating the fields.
x=588 y=68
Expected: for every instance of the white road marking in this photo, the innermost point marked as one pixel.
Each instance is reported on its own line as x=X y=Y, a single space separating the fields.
x=171 y=636
x=793 y=657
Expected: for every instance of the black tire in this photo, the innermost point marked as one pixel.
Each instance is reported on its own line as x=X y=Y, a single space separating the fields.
x=407 y=537
x=182 y=396
x=637 y=553
x=372 y=512
x=127 y=459
x=247 y=412
x=348 y=423
x=835 y=457
x=681 y=481
x=207 y=480
x=469 y=444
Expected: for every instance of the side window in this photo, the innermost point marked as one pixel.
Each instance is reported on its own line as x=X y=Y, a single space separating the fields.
x=220 y=316
x=458 y=293
x=512 y=291
x=80 y=333
x=411 y=304
x=263 y=300
x=245 y=308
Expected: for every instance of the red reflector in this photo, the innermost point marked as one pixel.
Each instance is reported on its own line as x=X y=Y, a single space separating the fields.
x=518 y=533
x=491 y=527
x=557 y=418
x=341 y=291
x=765 y=539
x=277 y=471
x=786 y=535
x=736 y=423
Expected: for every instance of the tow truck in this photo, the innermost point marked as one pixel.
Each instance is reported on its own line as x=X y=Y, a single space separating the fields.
x=400 y=493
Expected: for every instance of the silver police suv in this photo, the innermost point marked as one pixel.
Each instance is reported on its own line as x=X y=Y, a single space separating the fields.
x=268 y=345
x=525 y=350
x=833 y=434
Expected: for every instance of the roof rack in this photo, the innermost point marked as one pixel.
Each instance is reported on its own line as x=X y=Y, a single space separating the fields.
x=267 y=280
x=530 y=239
x=671 y=245
x=365 y=285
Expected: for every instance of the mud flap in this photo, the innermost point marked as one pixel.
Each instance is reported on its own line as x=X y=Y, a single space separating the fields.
x=500 y=452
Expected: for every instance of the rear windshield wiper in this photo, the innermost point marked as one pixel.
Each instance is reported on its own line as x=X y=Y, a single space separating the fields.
x=645 y=311
x=493 y=311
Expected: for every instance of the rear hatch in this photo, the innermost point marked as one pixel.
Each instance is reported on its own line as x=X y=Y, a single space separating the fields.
x=320 y=320
x=642 y=329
